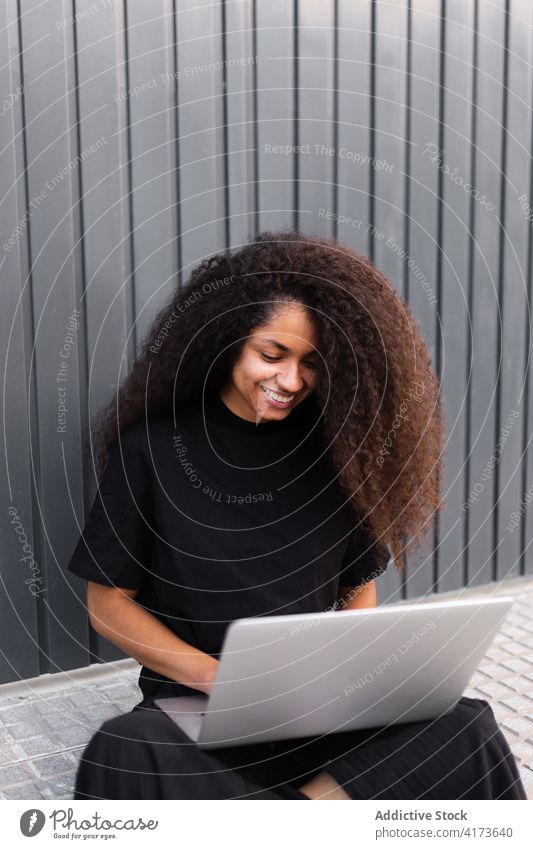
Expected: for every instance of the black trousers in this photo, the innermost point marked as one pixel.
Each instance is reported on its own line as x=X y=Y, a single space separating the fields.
x=460 y=755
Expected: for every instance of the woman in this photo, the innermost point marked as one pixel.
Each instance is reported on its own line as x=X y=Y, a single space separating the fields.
x=277 y=439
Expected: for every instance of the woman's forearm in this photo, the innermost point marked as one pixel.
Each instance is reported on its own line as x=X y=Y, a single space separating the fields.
x=141 y=635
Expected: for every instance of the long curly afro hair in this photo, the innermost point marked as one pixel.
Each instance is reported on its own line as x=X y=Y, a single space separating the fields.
x=378 y=394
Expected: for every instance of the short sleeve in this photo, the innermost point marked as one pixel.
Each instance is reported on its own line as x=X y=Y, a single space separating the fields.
x=364 y=560
x=115 y=544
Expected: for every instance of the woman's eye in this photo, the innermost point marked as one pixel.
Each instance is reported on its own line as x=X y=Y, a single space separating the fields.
x=272 y=359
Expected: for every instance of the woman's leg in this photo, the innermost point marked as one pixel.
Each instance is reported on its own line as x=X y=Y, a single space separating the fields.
x=144 y=755
x=460 y=755
x=324 y=787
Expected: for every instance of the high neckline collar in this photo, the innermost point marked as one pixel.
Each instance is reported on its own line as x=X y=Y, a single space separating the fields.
x=217 y=410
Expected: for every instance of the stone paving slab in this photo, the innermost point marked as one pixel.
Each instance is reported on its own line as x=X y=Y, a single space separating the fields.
x=44 y=729
x=46 y=722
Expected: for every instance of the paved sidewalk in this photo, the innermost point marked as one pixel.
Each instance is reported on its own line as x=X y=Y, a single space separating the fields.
x=46 y=722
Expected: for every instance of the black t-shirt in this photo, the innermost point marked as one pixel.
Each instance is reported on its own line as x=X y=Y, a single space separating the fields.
x=215 y=518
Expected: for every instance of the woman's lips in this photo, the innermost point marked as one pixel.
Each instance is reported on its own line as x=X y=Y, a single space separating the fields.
x=282 y=405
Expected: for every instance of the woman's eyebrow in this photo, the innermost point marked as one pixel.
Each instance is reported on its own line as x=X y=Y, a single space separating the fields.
x=282 y=347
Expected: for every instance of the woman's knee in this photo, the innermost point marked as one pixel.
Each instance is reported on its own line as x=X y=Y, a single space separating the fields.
x=129 y=752
x=148 y=726
x=477 y=715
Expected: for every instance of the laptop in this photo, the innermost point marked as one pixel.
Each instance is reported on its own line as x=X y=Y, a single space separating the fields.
x=291 y=676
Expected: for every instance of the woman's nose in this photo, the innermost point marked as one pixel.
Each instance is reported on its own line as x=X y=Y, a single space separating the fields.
x=290 y=380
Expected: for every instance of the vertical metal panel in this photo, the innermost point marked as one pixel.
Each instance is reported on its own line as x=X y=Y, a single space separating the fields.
x=483 y=432
x=55 y=272
x=420 y=245
x=275 y=113
x=142 y=139
x=422 y=202
x=352 y=206
x=241 y=70
x=513 y=292
x=108 y=299
x=150 y=98
x=526 y=526
x=201 y=137
x=19 y=608
x=454 y=153
x=387 y=168
x=315 y=127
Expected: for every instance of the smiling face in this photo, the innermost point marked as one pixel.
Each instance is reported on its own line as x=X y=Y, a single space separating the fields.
x=277 y=367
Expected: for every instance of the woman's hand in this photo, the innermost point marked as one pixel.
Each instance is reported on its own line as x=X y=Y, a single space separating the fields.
x=211 y=666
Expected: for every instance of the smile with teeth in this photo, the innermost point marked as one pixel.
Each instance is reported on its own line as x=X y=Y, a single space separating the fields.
x=282 y=399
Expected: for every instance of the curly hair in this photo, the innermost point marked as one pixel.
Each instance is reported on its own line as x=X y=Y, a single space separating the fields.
x=377 y=393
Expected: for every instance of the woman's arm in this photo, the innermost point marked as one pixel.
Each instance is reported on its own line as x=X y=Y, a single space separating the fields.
x=354 y=598
x=115 y=615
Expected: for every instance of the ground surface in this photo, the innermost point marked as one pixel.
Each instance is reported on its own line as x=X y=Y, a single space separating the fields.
x=46 y=722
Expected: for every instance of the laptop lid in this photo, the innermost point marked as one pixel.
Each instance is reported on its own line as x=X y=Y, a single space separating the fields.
x=292 y=676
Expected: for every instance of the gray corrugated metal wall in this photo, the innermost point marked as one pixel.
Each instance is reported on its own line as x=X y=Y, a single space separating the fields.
x=135 y=141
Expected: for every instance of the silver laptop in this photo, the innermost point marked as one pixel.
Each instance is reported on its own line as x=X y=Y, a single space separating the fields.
x=290 y=676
